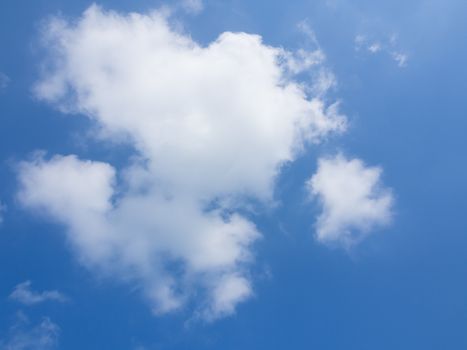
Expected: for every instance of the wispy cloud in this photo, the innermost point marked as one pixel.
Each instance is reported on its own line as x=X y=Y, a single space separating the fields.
x=374 y=48
x=24 y=336
x=2 y=211
x=323 y=79
x=387 y=46
x=4 y=81
x=25 y=295
x=400 y=58
x=305 y=27
x=193 y=6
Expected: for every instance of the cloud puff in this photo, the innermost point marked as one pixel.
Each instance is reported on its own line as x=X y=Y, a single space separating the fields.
x=400 y=57
x=352 y=197
x=211 y=125
x=25 y=295
x=23 y=336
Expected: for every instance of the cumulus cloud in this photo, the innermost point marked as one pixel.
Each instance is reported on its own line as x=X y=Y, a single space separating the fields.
x=25 y=295
x=352 y=197
x=24 y=336
x=211 y=126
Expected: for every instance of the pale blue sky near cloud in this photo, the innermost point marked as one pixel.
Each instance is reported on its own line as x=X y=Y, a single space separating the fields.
x=324 y=209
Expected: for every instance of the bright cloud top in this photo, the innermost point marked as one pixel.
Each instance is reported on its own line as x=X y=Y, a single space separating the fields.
x=352 y=197
x=212 y=127
x=25 y=295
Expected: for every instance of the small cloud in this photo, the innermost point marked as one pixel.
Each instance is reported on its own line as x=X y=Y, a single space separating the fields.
x=313 y=62
x=400 y=58
x=4 y=81
x=393 y=39
x=359 y=41
x=25 y=295
x=305 y=28
x=192 y=6
x=24 y=336
x=388 y=46
x=374 y=48
x=2 y=211
x=227 y=295
x=353 y=200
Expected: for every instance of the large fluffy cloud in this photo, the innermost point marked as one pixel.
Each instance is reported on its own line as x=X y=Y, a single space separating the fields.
x=353 y=199
x=211 y=125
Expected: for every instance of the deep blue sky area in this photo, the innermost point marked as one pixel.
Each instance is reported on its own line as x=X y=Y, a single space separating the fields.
x=403 y=287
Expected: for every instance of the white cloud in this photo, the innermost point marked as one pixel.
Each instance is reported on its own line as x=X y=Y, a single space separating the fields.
x=359 y=41
x=193 y=6
x=227 y=293
x=23 y=336
x=25 y=295
x=353 y=200
x=374 y=48
x=322 y=77
x=2 y=211
x=400 y=58
x=305 y=28
x=388 y=47
x=4 y=81
x=212 y=126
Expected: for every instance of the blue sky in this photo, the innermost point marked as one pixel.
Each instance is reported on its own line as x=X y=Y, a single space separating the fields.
x=306 y=191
